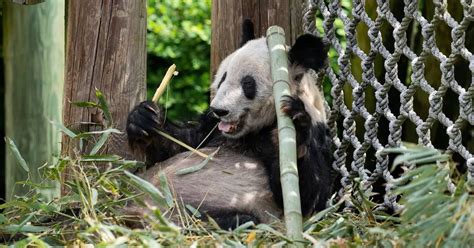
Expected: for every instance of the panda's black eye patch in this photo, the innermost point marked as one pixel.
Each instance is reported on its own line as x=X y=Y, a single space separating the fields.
x=222 y=80
x=249 y=87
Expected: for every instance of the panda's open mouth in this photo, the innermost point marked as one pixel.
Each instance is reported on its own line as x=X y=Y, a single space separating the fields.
x=228 y=127
x=232 y=127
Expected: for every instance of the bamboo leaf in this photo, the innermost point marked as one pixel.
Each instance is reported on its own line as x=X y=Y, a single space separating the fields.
x=103 y=138
x=2 y=219
x=86 y=104
x=431 y=159
x=267 y=228
x=197 y=167
x=411 y=156
x=64 y=129
x=193 y=211
x=244 y=226
x=148 y=188
x=16 y=153
x=103 y=105
x=91 y=133
x=99 y=158
x=166 y=189
x=11 y=229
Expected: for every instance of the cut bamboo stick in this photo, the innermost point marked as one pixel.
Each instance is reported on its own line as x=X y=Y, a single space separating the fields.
x=156 y=97
x=164 y=83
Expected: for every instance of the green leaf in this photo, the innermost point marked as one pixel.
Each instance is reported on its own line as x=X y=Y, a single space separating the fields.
x=148 y=188
x=64 y=129
x=2 y=219
x=99 y=158
x=197 y=167
x=86 y=104
x=103 y=105
x=103 y=138
x=11 y=229
x=267 y=228
x=414 y=155
x=88 y=134
x=94 y=197
x=193 y=211
x=16 y=153
x=244 y=226
x=166 y=189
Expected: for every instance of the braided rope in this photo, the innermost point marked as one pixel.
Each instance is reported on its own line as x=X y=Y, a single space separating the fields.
x=342 y=77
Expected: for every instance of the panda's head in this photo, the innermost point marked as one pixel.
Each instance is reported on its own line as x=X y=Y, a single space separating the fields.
x=242 y=86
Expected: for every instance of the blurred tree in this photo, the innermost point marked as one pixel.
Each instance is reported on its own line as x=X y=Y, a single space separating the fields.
x=179 y=32
x=33 y=40
x=2 y=113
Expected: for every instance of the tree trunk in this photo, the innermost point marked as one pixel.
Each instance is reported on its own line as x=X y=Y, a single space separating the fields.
x=34 y=75
x=106 y=50
x=227 y=18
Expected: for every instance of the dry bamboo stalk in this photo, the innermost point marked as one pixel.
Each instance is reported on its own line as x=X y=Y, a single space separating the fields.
x=164 y=83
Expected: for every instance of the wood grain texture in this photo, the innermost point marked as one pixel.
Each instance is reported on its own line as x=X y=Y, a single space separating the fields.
x=227 y=18
x=33 y=46
x=105 y=49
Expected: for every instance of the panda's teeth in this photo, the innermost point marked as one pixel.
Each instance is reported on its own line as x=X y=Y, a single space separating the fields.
x=226 y=127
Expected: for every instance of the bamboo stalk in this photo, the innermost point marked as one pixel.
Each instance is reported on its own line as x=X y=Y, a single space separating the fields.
x=164 y=83
x=286 y=136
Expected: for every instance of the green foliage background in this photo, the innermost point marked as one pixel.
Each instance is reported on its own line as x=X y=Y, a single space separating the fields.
x=179 y=32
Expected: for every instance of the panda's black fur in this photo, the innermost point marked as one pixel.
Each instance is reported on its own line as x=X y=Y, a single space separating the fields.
x=247 y=160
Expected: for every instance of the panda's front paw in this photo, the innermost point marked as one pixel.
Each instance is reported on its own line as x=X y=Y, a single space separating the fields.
x=294 y=108
x=143 y=124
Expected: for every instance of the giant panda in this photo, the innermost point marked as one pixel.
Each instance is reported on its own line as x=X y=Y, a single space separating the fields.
x=242 y=181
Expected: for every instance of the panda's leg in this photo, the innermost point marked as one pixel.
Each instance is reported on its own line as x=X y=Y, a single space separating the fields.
x=145 y=122
x=231 y=220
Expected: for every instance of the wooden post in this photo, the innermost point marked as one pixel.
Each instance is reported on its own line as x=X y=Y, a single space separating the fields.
x=105 y=48
x=227 y=18
x=33 y=49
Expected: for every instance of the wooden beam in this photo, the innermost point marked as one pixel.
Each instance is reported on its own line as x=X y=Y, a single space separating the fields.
x=105 y=47
x=227 y=18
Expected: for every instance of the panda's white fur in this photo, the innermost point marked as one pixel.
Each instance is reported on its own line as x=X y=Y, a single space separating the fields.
x=240 y=180
x=252 y=59
x=254 y=114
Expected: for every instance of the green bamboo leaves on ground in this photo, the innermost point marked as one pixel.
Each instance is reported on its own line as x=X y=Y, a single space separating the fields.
x=434 y=213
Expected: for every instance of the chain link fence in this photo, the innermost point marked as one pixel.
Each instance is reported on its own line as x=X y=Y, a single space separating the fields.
x=374 y=94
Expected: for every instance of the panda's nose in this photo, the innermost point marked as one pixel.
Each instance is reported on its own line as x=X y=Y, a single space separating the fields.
x=219 y=112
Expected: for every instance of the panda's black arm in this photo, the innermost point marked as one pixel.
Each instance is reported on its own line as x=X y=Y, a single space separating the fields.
x=315 y=170
x=147 y=119
x=314 y=157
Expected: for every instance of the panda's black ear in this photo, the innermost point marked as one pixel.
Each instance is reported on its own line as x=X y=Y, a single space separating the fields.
x=247 y=32
x=308 y=51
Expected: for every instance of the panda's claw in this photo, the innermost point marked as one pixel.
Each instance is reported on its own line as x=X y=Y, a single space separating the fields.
x=294 y=108
x=149 y=106
x=143 y=122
